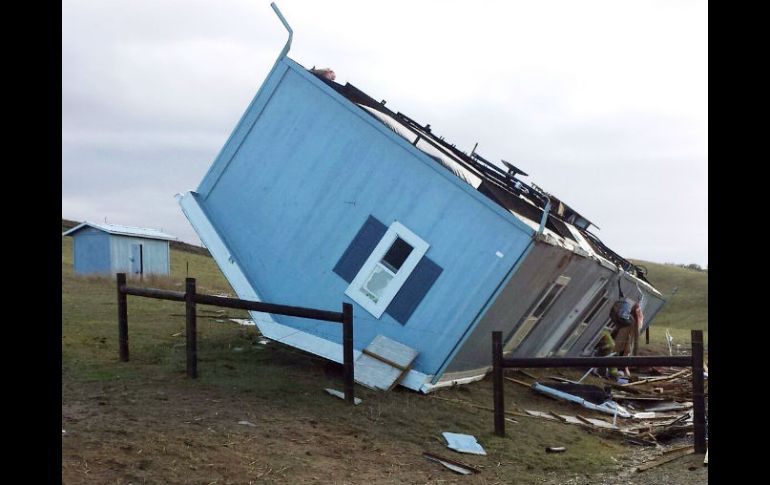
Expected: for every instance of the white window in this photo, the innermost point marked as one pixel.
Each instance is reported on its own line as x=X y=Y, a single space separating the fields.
x=544 y=303
x=387 y=268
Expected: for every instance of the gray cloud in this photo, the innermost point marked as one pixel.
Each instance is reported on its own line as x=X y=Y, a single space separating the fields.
x=604 y=104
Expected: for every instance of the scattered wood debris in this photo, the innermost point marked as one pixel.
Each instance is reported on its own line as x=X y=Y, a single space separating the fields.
x=341 y=395
x=659 y=406
x=455 y=466
x=669 y=456
x=641 y=442
x=521 y=383
x=657 y=379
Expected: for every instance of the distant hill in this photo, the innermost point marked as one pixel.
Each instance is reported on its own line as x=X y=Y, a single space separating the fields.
x=685 y=309
x=688 y=307
x=178 y=245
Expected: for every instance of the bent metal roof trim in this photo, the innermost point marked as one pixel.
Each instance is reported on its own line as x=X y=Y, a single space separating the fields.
x=565 y=226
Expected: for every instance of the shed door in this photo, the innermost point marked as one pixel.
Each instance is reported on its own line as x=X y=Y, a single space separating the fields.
x=137 y=263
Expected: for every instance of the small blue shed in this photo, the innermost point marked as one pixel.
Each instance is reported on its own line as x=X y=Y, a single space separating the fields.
x=322 y=194
x=110 y=248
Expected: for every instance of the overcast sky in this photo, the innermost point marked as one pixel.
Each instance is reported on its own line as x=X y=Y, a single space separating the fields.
x=603 y=104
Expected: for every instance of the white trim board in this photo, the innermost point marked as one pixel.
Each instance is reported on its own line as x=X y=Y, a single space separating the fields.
x=210 y=238
x=267 y=325
x=327 y=349
x=394 y=232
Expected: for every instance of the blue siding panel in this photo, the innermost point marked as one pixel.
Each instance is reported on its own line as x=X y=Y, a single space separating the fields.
x=414 y=290
x=155 y=254
x=292 y=195
x=91 y=251
x=360 y=248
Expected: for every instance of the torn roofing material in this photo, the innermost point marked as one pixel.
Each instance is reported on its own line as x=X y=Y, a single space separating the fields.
x=525 y=201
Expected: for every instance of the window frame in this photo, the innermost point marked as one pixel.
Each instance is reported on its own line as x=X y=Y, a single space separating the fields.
x=419 y=248
x=584 y=322
x=590 y=349
x=529 y=322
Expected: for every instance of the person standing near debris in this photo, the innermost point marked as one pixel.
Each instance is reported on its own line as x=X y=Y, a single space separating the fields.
x=627 y=335
x=606 y=347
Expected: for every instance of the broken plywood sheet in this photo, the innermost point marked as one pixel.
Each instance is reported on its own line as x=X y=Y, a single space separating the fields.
x=383 y=363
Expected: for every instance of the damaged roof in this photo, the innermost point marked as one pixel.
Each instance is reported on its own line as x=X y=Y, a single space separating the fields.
x=564 y=226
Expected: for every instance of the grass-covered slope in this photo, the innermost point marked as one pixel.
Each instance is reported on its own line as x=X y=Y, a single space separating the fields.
x=143 y=421
x=685 y=309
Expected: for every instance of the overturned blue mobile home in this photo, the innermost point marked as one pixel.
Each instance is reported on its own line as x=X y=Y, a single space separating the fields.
x=322 y=194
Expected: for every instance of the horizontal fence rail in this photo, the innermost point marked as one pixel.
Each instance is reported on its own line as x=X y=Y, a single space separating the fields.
x=191 y=298
x=236 y=303
x=647 y=361
x=695 y=360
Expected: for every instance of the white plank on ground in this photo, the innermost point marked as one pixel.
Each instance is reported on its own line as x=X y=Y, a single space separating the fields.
x=341 y=395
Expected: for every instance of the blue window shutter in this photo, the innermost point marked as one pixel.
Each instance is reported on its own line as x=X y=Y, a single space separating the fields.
x=414 y=290
x=360 y=248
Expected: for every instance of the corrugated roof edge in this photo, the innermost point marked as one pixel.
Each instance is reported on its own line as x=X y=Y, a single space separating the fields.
x=123 y=231
x=597 y=248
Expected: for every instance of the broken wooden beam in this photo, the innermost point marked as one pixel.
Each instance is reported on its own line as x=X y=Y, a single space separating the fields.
x=456 y=466
x=666 y=459
x=656 y=379
x=521 y=383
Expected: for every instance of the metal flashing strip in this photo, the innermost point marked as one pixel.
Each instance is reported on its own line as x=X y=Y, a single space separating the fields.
x=428 y=387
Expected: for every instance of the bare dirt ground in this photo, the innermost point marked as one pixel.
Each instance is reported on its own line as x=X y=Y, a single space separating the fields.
x=144 y=422
x=158 y=431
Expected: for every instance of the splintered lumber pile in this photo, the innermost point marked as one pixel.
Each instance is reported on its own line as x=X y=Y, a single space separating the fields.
x=667 y=457
x=660 y=405
x=671 y=384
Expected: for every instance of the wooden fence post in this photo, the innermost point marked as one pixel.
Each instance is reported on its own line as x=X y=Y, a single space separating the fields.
x=191 y=331
x=122 y=319
x=347 y=351
x=497 y=382
x=698 y=397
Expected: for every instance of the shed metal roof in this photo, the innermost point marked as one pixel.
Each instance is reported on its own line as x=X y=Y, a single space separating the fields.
x=123 y=231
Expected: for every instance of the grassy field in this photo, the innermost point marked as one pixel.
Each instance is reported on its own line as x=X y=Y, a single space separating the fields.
x=144 y=422
x=685 y=309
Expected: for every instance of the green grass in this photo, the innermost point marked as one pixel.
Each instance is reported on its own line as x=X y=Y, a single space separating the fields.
x=688 y=307
x=278 y=381
x=685 y=310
